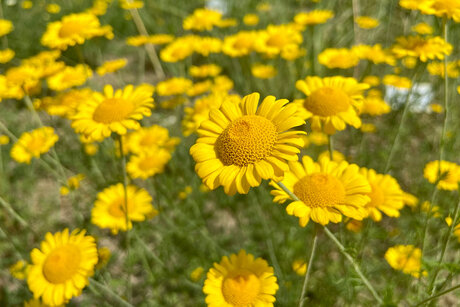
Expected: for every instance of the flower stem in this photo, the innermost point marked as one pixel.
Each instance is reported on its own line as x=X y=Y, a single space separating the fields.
x=312 y=50
x=446 y=102
x=342 y=250
x=309 y=269
x=125 y=189
x=330 y=146
x=7 y=206
x=437 y=295
x=108 y=292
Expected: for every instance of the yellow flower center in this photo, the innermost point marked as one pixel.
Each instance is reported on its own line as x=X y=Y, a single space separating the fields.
x=320 y=190
x=113 y=110
x=117 y=208
x=327 y=101
x=242 y=43
x=62 y=264
x=70 y=28
x=246 y=140
x=241 y=290
x=377 y=196
x=277 y=40
x=35 y=145
x=148 y=163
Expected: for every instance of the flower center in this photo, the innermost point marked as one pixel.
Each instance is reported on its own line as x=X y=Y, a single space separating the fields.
x=242 y=43
x=61 y=264
x=241 y=290
x=327 y=101
x=148 y=163
x=320 y=190
x=35 y=145
x=277 y=40
x=377 y=196
x=113 y=110
x=70 y=28
x=117 y=208
x=246 y=140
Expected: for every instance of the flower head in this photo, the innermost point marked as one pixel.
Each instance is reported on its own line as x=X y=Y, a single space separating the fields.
x=111 y=66
x=314 y=17
x=240 y=280
x=429 y=48
x=263 y=71
x=448 y=177
x=33 y=144
x=6 y=27
x=69 y=77
x=366 y=22
x=405 y=258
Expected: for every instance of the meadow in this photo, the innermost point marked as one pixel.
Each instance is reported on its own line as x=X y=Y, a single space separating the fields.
x=229 y=153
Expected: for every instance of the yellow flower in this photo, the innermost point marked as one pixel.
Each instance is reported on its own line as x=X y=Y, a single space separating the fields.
x=448 y=220
x=429 y=48
x=111 y=66
x=251 y=19
x=410 y=4
x=173 y=86
x=200 y=88
x=179 y=49
x=45 y=63
x=65 y=104
x=422 y=28
x=27 y=4
x=292 y=52
x=372 y=80
x=318 y=138
x=386 y=195
x=202 y=19
x=74 y=29
x=405 y=258
x=6 y=56
x=441 y=8
x=186 y=192
x=53 y=8
x=222 y=84
x=375 y=54
x=32 y=144
x=4 y=139
x=160 y=39
x=137 y=41
x=366 y=22
x=20 y=270
x=147 y=138
x=240 y=280
x=263 y=7
x=374 y=105
x=437 y=69
x=6 y=27
x=73 y=183
x=131 y=4
x=103 y=255
x=60 y=270
x=205 y=45
x=397 y=81
x=109 y=208
x=449 y=174
x=314 y=17
x=354 y=225
x=148 y=163
x=338 y=58
x=36 y=303
x=331 y=102
x=69 y=77
x=241 y=144
x=409 y=199
x=263 y=71
x=326 y=190
x=368 y=128
x=196 y=274
x=99 y=7
x=299 y=266
x=436 y=107
x=110 y=111
x=337 y=156
x=19 y=81
x=91 y=149
x=239 y=44
x=275 y=38
x=203 y=71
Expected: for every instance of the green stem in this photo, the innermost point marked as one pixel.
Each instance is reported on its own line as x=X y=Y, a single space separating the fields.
x=312 y=51
x=7 y=206
x=342 y=250
x=330 y=147
x=309 y=269
x=437 y=295
x=446 y=102
x=108 y=293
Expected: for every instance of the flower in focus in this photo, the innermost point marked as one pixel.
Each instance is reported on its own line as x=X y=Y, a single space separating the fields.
x=61 y=267
x=241 y=143
x=240 y=280
x=263 y=71
x=110 y=111
x=69 y=77
x=6 y=27
x=325 y=191
x=405 y=258
x=109 y=209
x=111 y=66
x=331 y=102
x=448 y=177
x=74 y=29
x=32 y=144
x=338 y=58
x=366 y=22
x=314 y=17
x=429 y=48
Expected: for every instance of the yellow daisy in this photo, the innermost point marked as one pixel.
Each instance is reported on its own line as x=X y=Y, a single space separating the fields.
x=263 y=71
x=405 y=258
x=338 y=58
x=6 y=27
x=6 y=56
x=32 y=144
x=326 y=190
x=148 y=137
x=202 y=19
x=441 y=8
x=69 y=77
x=179 y=49
x=160 y=39
x=173 y=86
x=386 y=195
x=109 y=208
x=314 y=17
x=275 y=38
x=374 y=53
x=74 y=29
x=203 y=71
x=108 y=112
x=450 y=174
x=332 y=101
x=148 y=163
x=240 y=280
x=250 y=19
x=422 y=28
x=111 y=66
x=374 y=105
x=205 y=45
x=425 y=49
x=366 y=22
x=61 y=267
x=239 y=44
x=241 y=144
x=397 y=81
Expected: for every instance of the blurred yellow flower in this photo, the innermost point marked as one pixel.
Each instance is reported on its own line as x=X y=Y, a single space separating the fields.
x=448 y=220
x=131 y=4
x=374 y=53
x=397 y=81
x=338 y=58
x=73 y=183
x=429 y=48
x=20 y=269
x=196 y=274
x=111 y=66
x=202 y=19
x=436 y=108
x=239 y=44
x=374 y=106
x=314 y=17
x=6 y=27
x=27 y=4
x=147 y=138
x=160 y=39
x=405 y=258
x=437 y=69
x=91 y=148
x=263 y=7
x=441 y=8
x=32 y=144
x=53 y=8
x=251 y=19
x=299 y=266
x=206 y=45
x=4 y=139
x=422 y=28
x=109 y=209
x=103 y=255
x=372 y=80
x=178 y=49
x=148 y=163
x=69 y=77
x=137 y=41
x=173 y=86
x=337 y=156
x=6 y=55
x=263 y=71
x=184 y=193
x=200 y=88
x=206 y=70
x=275 y=38
x=449 y=174
x=366 y=22
x=354 y=225
x=368 y=128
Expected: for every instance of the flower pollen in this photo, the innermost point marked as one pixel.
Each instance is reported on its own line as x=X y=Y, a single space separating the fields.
x=61 y=264
x=241 y=290
x=327 y=101
x=320 y=190
x=112 y=110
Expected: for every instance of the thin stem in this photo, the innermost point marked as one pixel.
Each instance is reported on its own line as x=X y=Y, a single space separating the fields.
x=7 y=206
x=432 y=287
x=312 y=51
x=330 y=146
x=446 y=102
x=437 y=295
x=125 y=190
x=108 y=292
x=425 y=226
x=342 y=250
x=309 y=269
